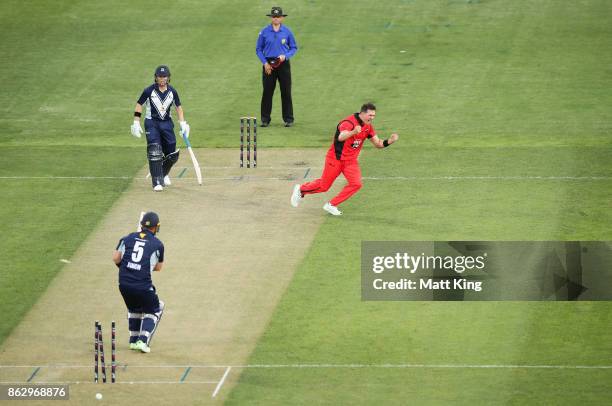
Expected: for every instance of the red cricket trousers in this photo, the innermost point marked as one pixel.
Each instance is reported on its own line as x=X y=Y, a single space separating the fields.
x=334 y=167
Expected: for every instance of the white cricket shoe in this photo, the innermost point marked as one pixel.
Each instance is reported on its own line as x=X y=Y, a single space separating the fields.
x=140 y=345
x=158 y=188
x=333 y=210
x=167 y=181
x=296 y=196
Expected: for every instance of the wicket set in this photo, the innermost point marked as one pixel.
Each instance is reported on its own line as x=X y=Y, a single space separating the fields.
x=99 y=352
x=249 y=123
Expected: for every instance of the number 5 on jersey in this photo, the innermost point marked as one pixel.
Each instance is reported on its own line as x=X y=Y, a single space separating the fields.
x=138 y=251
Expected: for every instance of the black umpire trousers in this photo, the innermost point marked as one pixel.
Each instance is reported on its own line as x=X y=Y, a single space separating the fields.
x=283 y=75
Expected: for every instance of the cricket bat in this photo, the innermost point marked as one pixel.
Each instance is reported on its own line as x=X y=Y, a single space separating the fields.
x=142 y=213
x=196 y=165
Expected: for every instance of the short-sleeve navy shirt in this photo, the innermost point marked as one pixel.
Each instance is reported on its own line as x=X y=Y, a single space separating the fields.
x=158 y=103
x=141 y=251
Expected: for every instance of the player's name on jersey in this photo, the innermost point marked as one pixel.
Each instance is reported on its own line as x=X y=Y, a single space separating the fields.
x=428 y=284
x=134 y=266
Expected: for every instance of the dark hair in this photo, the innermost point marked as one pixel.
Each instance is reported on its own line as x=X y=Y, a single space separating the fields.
x=367 y=106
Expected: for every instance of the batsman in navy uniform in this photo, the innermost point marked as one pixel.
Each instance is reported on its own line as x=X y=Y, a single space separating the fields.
x=137 y=256
x=161 y=142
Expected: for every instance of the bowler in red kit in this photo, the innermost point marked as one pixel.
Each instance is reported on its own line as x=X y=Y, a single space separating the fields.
x=341 y=158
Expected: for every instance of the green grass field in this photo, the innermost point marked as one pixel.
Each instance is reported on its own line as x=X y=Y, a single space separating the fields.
x=506 y=90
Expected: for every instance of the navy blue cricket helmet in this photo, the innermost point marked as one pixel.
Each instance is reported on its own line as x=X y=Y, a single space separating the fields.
x=149 y=220
x=162 y=70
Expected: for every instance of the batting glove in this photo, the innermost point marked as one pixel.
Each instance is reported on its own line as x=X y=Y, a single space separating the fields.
x=184 y=128
x=136 y=129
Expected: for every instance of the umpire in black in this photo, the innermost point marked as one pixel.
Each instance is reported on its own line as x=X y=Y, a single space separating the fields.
x=275 y=46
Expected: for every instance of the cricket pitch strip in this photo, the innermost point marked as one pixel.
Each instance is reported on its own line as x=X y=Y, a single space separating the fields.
x=232 y=246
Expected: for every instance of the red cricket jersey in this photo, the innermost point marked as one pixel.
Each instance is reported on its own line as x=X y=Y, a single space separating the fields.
x=351 y=147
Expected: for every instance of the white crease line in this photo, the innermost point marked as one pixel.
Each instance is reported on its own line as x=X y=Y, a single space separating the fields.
x=117 y=382
x=68 y=177
x=237 y=167
x=295 y=168
x=489 y=178
x=220 y=384
x=270 y=366
x=291 y=177
x=449 y=366
x=118 y=366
